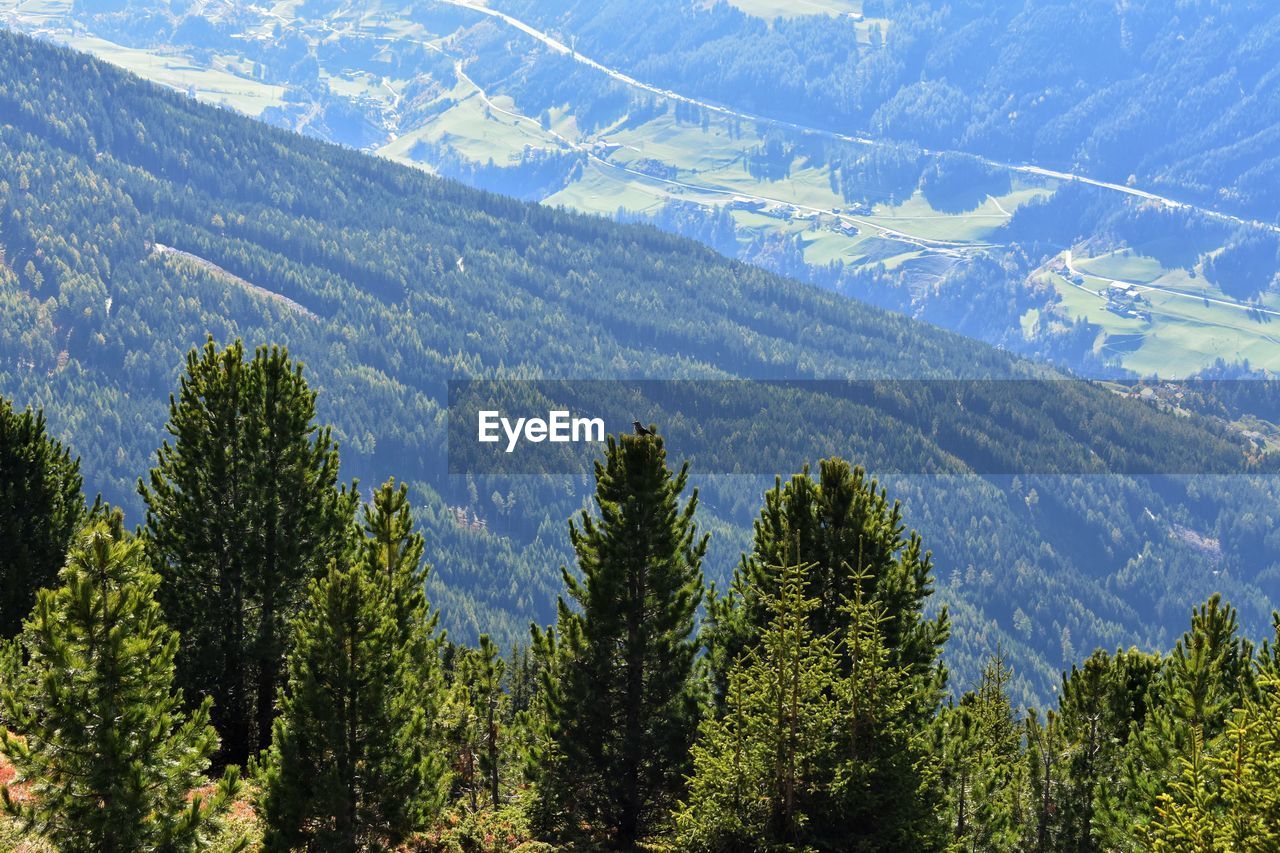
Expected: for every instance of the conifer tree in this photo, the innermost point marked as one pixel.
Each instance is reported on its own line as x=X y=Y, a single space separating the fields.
x=490 y=706
x=1046 y=748
x=1210 y=673
x=845 y=527
x=40 y=510
x=394 y=552
x=984 y=767
x=99 y=735
x=1101 y=703
x=1185 y=815
x=884 y=785
x=757 y=770
x=1225 y=793
x=1248 y=763
x=355 y=759
x=477 y=713
x=625 y=709
x=242 y=509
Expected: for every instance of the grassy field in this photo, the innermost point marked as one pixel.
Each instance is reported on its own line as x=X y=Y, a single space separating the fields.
x=1122 y=264
x=1187 y=330
x=605 y=191
x=770 y=9
x=686 y=146
x=239 y=93
x=713 y=157
x=916 y=217
x=473 y=130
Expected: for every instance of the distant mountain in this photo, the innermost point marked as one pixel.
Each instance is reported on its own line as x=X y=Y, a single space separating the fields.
x=134 y=220
x=938 y=159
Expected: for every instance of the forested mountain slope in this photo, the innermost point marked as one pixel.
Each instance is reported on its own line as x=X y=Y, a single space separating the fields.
x=134 y=221
x=1078 y=183
x=1180 y=95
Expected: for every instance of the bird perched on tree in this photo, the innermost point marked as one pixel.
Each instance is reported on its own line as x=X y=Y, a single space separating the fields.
x=640 y=428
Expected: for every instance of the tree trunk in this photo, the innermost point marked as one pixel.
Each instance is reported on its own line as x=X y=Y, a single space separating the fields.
x=493 y=753
x=268 y=670
x=629 y=816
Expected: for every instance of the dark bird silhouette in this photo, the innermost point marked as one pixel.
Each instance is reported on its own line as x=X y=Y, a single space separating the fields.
x=640 y=429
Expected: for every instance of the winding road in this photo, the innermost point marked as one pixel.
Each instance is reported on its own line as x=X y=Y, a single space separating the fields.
x=945 y=247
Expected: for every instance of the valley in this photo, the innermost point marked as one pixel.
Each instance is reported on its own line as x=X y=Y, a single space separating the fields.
x=133 y=234
x=473 y=92
x=678 y=425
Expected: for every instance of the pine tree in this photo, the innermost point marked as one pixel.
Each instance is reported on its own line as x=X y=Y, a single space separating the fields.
x=869 y=580
x=355 y=758
x=490 y=699
x=1210 y=673
x=477 y=714
x=984 y=765
x=1225 y=794
x=1101 y=703
x=242 y=509
x=394 y=552
x=1046 y=748
x=99 y=735
x=884 y=788
x=40 y=510
x=1248 y=764
x=1184 y=815
x=845 y=527
x=758 y=768
x=625 y=708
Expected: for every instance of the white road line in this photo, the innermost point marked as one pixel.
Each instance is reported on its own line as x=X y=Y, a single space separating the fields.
x=1143 y=286
x=942 y=246
x=1026 y=169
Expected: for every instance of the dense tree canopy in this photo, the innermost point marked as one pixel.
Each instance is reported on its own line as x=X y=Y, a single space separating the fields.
x=824 y=725
x=135 y=222
x=243 y=509
x=40 y=509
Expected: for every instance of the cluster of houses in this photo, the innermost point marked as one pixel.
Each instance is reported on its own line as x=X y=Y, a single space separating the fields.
x=1126 y=300
x=792 y=213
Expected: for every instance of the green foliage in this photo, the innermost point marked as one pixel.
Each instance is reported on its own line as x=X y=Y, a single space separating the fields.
x=355 y=756
x=757 y=767
x=1101 y=702
x=478 y=721
x=885 y=793
x=803 y=755
x=1189 y=704
x=844 y=527
x=40 y=510
x=242 y=509
x=99 y=736
x=623 y=709
x=983 y=765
